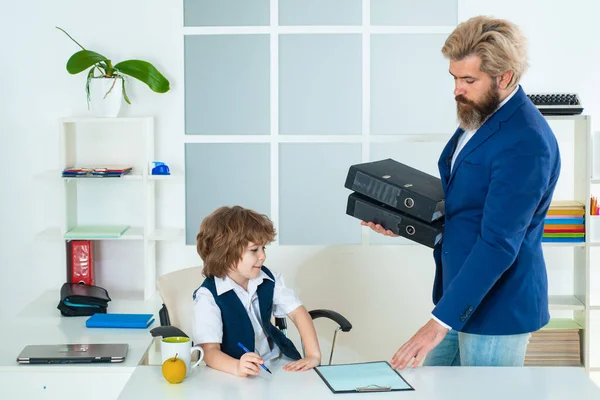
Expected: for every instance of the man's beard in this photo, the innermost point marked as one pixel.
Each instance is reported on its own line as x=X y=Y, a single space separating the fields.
x=472 y=115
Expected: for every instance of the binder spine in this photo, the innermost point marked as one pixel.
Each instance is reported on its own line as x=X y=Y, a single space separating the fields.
x=81 y=262
x=403 y=225
x=375 y=189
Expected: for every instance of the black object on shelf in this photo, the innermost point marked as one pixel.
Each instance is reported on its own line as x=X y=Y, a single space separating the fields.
x=556 y=103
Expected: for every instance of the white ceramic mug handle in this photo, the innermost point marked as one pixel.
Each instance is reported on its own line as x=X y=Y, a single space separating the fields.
x=200 y=358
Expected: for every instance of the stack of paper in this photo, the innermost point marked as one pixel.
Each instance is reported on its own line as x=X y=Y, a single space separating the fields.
x=557 y=344
x=565 y=222
x=97 y=172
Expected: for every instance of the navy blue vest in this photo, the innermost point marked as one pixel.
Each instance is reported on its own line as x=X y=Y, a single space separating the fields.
x=236 y=323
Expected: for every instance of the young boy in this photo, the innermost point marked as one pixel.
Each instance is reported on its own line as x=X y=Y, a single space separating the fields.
x=235 y=302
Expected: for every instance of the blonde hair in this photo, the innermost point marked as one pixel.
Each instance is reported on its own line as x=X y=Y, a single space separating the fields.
x=224 y=236
x=498 y=43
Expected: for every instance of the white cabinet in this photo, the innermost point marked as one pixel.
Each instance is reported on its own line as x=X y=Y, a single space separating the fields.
x=569 y=266
x=128 y=200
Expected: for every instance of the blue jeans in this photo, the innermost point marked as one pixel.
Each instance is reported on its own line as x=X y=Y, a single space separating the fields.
x=467 y=349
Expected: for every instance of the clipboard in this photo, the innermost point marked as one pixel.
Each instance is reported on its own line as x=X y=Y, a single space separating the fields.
x=369 y=377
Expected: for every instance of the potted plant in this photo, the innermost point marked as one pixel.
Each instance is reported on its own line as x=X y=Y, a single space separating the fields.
x=105 y=85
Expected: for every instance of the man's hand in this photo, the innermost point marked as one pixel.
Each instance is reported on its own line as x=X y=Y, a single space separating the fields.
x=417 y=347
x=249 y=364
x=379 y=229
x=303 y=364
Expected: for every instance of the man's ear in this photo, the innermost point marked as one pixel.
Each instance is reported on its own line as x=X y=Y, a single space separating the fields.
x=504 y=79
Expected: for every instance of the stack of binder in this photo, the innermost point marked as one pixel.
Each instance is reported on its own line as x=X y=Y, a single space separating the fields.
x=565 y=222
x=401 y=199
x=556 y=344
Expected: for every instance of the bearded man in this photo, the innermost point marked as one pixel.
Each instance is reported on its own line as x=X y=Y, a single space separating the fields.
x=498 y=171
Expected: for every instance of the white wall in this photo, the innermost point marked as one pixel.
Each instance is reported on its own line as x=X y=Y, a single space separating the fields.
x=383 y=290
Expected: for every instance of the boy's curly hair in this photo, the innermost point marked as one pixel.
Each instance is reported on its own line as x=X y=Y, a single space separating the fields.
x=224 y=236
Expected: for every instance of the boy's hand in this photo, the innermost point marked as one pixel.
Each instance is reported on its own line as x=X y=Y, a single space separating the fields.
x=304 y=364
x=249 y=364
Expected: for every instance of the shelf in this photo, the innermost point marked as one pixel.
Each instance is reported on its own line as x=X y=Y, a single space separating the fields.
x=569 y=303
x=74 y=120
x=594 y=308
x=175 y=176
x=566 y=117
x=134 y=233
x=595 y=181
x=136 y=175
x=49 y=175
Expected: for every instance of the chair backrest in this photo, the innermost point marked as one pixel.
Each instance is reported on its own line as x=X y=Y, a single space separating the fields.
x=176 y=289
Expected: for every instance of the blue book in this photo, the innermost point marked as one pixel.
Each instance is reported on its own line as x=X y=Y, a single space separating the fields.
x=563 y=221
x=136 y=321
x=563 y=239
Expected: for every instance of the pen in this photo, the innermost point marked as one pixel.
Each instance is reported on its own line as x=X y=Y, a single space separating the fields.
x=248 y=351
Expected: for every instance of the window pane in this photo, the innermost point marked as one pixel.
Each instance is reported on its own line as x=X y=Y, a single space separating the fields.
x=414 y=13
x=218 y=174
x=411 y=89
x=312 y=196
x=226 y=12
x=227 y=84
x=320 y=12
x=320 y=86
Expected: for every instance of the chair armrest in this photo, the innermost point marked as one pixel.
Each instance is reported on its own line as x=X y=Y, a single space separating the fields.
x=280 y=323
x=344 y=324
x=167 y=331
x=163 y=315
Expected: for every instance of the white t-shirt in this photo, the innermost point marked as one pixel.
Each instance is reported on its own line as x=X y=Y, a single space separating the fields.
x=208 y=325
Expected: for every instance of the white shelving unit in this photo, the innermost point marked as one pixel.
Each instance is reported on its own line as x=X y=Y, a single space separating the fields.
x=579 y=303
x=113 y=141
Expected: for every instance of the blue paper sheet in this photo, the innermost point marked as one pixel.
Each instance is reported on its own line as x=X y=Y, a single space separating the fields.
x=362 y=377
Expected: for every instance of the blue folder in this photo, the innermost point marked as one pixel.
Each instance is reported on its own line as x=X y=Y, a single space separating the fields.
x=135 y=321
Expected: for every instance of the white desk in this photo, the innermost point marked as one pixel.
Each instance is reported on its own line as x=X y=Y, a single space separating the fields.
x=41 y=323
x=430 y=383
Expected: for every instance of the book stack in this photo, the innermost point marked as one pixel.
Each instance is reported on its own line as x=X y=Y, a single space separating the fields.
x=565 y=222
x=96 y=172
x=556 y=344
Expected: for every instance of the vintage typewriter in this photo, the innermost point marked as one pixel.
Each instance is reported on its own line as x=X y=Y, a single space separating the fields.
x=556 y=103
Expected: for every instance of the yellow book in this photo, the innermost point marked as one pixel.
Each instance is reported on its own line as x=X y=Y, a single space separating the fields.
x=562 y=211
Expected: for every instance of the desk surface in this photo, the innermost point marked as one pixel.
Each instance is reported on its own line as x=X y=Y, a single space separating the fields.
x=40 y=322
x=463 y=383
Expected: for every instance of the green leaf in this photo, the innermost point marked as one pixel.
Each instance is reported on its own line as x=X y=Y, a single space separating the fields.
x=82 y=60
x=145 y=72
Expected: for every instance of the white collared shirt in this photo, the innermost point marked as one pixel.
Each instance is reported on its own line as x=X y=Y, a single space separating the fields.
x=208 y=325
x=467 y=135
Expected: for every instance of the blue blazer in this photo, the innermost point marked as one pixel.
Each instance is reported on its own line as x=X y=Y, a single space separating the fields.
x=490 y=271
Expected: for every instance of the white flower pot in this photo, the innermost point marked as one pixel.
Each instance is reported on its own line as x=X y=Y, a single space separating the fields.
x=106 y=96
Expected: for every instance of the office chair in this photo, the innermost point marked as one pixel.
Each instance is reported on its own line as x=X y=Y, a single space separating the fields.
x=175 y=315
